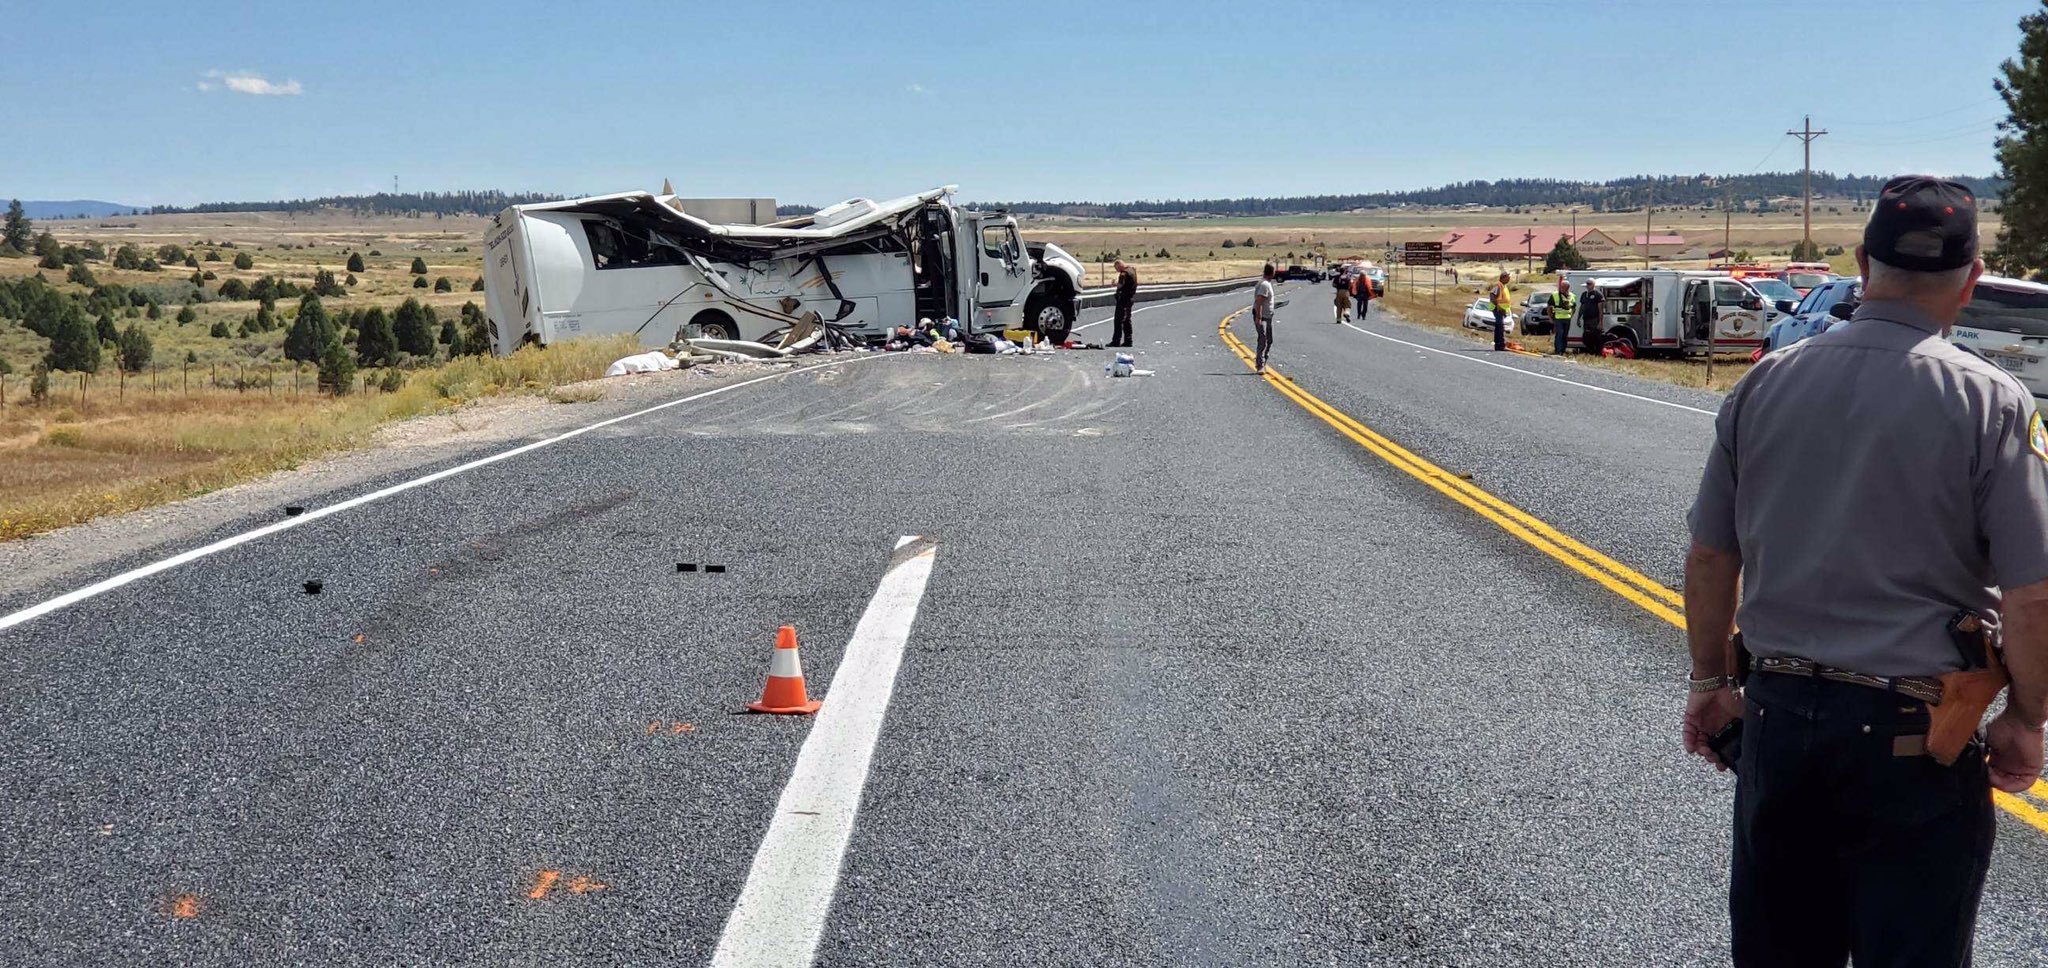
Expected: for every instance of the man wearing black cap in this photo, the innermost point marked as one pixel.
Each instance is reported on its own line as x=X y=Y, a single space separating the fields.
x=1872 y=492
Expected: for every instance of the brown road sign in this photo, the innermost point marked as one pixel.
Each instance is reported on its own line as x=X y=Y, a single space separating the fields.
x=1422 y=253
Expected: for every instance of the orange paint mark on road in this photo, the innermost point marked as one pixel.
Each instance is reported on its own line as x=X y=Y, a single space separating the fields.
x=584 y=885
x=359 y=638
x=543 y=884
x=683 y=728
x=651 y=727
x=185 y=906
x=673 y=727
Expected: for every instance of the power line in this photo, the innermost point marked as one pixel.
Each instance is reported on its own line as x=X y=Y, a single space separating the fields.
x=1924 y=117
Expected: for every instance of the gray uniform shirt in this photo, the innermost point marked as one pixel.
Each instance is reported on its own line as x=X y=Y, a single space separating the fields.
x=1874 y=479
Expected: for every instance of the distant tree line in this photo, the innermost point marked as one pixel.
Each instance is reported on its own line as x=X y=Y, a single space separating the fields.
x=383 y=203
x=1619 y=194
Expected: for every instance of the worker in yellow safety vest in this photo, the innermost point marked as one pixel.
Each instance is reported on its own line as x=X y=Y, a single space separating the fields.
x=1561 y=306
x=1501 y=295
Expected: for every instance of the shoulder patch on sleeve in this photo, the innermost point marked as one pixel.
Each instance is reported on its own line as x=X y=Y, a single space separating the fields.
x=2037 y=436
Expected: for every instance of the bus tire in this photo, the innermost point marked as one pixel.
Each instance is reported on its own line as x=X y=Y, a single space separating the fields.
x=714 y=324
x=1044 y=315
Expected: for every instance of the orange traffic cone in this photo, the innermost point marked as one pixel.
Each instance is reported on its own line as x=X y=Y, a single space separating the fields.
x=785 y=690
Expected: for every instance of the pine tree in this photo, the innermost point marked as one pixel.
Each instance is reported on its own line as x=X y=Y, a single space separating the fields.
x=443 y=285
x=375 y=342
x=243 y=261
x=2022 y=149
x=17 y=233
x=266 y=318
x=156 y=311
x=419 y=282
x=476 y=331
x=127 y=257
x=351 y=279
x=1563 y=255
x=219 y=330
x=337 y=370
x=478 y=285
x=355 y=262
x=449 y=337
x=104 y=329
x=324 y=284
x=186 y=315
x=411 y=329
x=136 y=349
x=419 y=266
x=74 y=343
x=310 y=332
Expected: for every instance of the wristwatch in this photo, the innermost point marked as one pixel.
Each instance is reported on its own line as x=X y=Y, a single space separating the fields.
x=1709 y=684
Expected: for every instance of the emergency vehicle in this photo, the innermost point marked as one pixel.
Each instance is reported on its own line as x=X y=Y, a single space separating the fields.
x=1674 y=311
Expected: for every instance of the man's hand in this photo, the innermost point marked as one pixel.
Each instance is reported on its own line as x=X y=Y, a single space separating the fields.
x=2015 y=752
x=1706 y=713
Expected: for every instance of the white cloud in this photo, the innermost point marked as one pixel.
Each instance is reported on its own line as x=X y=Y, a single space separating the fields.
x=917 y=89
x=249 y=82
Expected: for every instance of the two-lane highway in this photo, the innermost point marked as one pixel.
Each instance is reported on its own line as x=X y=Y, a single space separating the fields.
x=1195 y=678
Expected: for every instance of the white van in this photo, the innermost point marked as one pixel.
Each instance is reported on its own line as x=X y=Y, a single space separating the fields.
x=2006 y=322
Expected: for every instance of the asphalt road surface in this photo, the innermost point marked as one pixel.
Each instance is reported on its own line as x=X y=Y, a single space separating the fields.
x=1183 y=673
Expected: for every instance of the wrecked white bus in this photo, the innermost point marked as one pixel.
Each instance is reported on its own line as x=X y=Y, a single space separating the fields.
x=636 y=263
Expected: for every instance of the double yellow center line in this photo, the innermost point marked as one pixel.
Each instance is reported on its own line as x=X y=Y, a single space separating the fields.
x=1615 y=576
x=1644 y=592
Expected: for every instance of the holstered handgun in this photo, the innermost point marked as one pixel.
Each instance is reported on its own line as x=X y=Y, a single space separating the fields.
x=1966 y=693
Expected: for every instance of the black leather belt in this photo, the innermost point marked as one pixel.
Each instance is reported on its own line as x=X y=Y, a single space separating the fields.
x=1927 y=689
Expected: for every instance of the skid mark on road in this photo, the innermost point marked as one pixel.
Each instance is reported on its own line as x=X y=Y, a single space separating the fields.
x=1646 y=593
x=780 y=915
x=105 y=585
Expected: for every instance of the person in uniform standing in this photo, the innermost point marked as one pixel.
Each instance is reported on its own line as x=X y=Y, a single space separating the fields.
x=1561 y=316
x=1500 y=296
x=1590 y=325
x=1126 y=294
x=1342 y=283
x=1871 y=491
x=1361 y=294
x=1262 y=316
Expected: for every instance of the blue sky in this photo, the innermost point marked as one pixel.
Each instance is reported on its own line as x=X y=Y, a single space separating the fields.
x=154 y=103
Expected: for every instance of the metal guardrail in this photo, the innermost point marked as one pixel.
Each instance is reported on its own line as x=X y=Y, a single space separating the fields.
x=1091 y=298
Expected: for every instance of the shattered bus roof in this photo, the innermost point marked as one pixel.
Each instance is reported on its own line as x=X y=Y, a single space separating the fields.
x=795 y=231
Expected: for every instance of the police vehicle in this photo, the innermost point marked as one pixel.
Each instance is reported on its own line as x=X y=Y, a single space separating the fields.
x=2006 y=322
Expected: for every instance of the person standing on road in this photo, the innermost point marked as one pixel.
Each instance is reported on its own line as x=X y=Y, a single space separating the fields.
x=1851 y=838
x=1126 y=294
x=1561 y=316
x=1590 y=335
x=1343 y=301
x=1361 y=294
x=1501 y=295
x=1262 y=317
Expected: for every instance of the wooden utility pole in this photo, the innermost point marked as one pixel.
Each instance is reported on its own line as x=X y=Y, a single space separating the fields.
x=1649 y=207
x=1806 y=134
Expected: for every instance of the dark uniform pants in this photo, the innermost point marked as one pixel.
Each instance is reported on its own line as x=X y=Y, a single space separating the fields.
x=1120 y=334
x=1848 y=839
x=1500 y=321
x=1561 y=333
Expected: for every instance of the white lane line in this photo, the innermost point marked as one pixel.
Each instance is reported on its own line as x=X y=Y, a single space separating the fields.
x=1160 y=304
x=103 y=586
x=781 y=912
x=1541 y=376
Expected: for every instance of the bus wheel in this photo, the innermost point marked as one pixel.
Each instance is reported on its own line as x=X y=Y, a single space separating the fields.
x=1049 y=319
x=713 y=324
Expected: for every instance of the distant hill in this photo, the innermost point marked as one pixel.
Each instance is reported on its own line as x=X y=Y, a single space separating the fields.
x=1619 y=194
x=75 y=208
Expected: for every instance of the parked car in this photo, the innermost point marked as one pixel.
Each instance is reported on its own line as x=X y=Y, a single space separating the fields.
x=1536 y=312
x=1803 y=276
x=2006 y=322
x=1301 y=273
x=1774 y=290
x=1379 y=281
x=1479 y=315
x=1813 y=315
